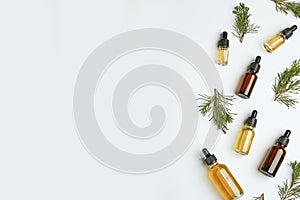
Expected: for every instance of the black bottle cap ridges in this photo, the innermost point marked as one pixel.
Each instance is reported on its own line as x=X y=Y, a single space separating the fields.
x=223 y=42
x=251 y=121
x=255 y=66
x=209 y=158
x=284 y=139
x=288 y=32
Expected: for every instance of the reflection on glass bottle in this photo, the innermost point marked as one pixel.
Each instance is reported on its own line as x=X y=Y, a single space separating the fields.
x=223 y=50
x=275 y=156
x=221 y=178
x=248 y=80
x=277 y=40
x=245 y=136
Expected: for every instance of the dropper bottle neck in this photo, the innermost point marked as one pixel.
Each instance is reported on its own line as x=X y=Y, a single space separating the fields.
x=210 y=159
x=283 y=140
x=288 y=32
x=254 y=66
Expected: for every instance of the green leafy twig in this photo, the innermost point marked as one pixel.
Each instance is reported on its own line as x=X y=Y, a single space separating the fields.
x=286 y=84
x=261 y=197
x=284 y=6
x=217 y=108
x=291 y=191
x=242 y=25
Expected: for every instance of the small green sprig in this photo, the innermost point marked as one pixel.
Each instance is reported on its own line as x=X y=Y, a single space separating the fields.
x=291 y=191
x=217 y=108
x=242 y=25
x=284 y=6
x=286 y=84
x=261 y=197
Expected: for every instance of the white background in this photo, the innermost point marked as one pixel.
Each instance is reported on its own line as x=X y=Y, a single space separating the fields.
x=43 y=44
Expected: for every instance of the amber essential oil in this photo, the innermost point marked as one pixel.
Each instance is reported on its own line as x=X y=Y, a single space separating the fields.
x=221 y=178
x=275 y=155
x=248 y=80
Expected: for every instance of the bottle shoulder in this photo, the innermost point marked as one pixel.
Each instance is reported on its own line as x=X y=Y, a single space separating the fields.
x=279 y=148
x=218 y=166
x=223 y=47
x=251 y=73
x=248 y=127
x=283 y=36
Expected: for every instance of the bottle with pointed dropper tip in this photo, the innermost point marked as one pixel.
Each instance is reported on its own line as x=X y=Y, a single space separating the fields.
x=221 y=178
x=248 y=80
x=275 y=156
x=277 y=40
x=245 y=136
x=223 y=50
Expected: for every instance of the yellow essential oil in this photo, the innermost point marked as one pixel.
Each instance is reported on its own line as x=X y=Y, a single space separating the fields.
x=245 y=136
x=277 y=40
x=223 y=50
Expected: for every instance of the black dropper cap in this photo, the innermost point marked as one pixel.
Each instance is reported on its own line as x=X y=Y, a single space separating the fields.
x=209 y=159
x=288 y=32
x=223 y=42
x=251 y=121
x=284 y=139
x=255 y=66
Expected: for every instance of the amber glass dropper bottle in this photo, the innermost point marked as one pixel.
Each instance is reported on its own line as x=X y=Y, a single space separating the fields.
x=275 y=156
x=245 y=136
x=223 y=50
x=248 y=80
x=221 y=178
x=277 y=40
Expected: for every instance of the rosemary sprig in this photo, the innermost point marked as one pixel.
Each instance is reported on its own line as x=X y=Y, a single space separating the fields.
x=291 y=191
x=286 y=84
x=261 y=197
x=242 y=25
x=217 y=108
x=284 y=6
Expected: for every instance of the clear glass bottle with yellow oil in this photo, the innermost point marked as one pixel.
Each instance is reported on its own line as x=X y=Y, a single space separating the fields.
x=223 y=50
x=277 y=40
x=245 y=136
x=221 y=178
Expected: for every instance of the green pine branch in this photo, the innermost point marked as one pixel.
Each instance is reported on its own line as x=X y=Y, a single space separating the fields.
x=291 y=191
x=285 y=6
x=217 y=108
x=287 y=84
x=242 y=25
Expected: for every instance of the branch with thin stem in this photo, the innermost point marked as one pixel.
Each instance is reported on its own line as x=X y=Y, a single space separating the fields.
x=217 y=108
x=287 y=83
x=285 y=6
x=242 y=25
x=291 y=191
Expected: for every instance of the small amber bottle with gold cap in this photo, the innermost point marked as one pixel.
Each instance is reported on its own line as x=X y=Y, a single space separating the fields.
x=277 y=40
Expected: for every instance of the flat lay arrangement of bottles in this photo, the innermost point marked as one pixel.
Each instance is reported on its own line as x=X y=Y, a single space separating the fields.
x=219 y=175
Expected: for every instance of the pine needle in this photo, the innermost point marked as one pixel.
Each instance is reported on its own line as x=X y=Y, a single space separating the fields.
x=242 y=25
x=261 y=197
x=286 y=84
x=291 y=191
x=285 y=6
x=216 y=107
